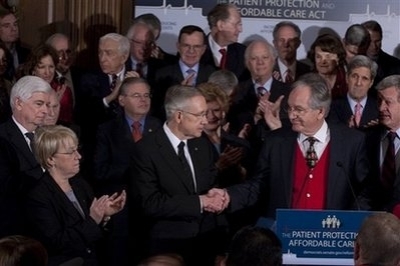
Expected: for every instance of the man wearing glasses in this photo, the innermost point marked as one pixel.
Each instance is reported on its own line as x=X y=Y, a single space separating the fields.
x=188 y=70
x=313 y=165
x=174 y=170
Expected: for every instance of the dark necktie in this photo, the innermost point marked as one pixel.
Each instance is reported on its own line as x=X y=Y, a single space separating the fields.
x=113 y=82
x=136 y=133
x=30 y=136
x=185 y=165
x=311 y=155
x=388 y=173
x=222 y=63
x=289 y=76
x=261 y=91
x=139 y=69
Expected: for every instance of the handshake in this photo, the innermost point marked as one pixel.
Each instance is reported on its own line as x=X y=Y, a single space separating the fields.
x=216 y=200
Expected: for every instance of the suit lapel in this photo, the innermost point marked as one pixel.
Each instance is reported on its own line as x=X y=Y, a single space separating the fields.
x=168 y=153
x=18 y=140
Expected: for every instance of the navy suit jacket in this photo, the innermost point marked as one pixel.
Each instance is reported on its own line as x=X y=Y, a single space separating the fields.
x=274 y=175
x=168 y=195
x=57 y=224
x=341 y=111
x=112 y=155
x=234 y=60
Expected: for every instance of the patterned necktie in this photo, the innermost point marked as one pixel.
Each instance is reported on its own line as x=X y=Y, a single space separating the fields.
x=136 y=133
x=311 y=155
x=261 y=91
x=289 y=76
x=30 y=136
x=357 y=114
x=185 y=165
x=222 y=63
x=189 y=72
x=388 y=173
x=113 y=82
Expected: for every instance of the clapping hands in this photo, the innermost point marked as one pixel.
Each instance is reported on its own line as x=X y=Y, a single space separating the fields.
x=107 y=206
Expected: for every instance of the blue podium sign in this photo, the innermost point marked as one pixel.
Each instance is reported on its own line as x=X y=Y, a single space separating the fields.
x=324 y=234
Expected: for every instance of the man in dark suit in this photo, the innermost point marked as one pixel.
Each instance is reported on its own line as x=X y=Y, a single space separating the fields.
x=111 y=161
x=29 y=99
x=9 y=35
x=313 y=165
x=66 y=72
x=259 y=57
x=223 y=50
x=387 y=64
x=174 y=171
x=383 y=144
x=357 y=109
x=141 y=60
x=97 y=96
x=188 y=71
x=287 y=39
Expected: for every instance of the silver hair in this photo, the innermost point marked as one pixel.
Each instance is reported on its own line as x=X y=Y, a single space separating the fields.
x=177 y=98
x=320 y=93
x=124 y=45
x=390 y=81
x=26 y=86
x=362 y=61
x=226 y=79
x=269 y=46
x=55 y=36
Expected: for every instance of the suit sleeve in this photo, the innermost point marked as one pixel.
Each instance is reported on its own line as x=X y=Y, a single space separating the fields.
x=45 y=214
x=157 y=200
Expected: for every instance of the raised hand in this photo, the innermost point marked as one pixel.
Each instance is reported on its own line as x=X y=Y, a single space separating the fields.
x=230 y=156
x=271 y=112
x=115 y=203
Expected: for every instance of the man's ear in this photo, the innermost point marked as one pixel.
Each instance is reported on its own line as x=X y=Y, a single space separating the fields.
x=357 y=252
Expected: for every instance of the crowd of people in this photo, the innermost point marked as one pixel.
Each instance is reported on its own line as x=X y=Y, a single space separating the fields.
x=162 y=159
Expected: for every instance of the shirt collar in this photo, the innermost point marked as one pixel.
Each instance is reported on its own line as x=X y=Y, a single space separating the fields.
x=185 y=68
x=21 y=127
x=322 y=135
x=353 y=103
x=266 y=85
x=175 y=141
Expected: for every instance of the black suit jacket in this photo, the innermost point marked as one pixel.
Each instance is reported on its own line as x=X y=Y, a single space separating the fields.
x=383 y=199
x=387 y=65
x=341 y=111
x=29 y=167
x=274 y=175
x=112 y=155
x=58 y=225
x=234 y=60
x=246 y=100
x=301 y=69
x=168 y=196
x=169 y=76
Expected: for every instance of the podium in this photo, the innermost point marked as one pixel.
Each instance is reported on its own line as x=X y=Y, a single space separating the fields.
x=318 y=237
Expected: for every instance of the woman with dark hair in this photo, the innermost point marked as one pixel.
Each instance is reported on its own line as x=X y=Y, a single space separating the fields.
x=329 y=58
x=42 y=63
x=20 y=250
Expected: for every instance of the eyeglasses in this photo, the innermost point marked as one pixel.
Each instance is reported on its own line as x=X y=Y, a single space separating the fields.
x=189 y=47
x=139 y=96
x=299 y=111
x=64 y=54
x=198 y=116
x=71 y=152
x=237 y=24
